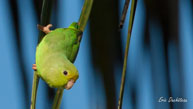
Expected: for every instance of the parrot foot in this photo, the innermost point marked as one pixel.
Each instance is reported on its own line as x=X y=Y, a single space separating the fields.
x=34 y=67
x=45 y=29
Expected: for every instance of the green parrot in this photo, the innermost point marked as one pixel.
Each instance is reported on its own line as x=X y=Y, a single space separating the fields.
x=55 y=55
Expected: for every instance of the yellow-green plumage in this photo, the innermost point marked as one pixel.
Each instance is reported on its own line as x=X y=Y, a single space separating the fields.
x=56 y=53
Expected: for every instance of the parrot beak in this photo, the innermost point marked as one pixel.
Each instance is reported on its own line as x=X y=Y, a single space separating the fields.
x=69 y=84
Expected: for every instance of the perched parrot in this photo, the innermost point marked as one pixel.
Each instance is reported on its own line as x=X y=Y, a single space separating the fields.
x=55 y=55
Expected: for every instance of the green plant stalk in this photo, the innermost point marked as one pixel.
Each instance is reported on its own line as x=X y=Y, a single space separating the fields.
x=85 y=14
x=58 y=99
x=82 y=23
x=34 y=90
x=131 y=19
x=45 y=18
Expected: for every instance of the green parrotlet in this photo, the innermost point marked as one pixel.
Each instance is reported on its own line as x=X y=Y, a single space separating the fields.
x=55 y=55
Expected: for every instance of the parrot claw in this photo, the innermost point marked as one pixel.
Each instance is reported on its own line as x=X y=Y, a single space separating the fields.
x=34 y=67
x=45 y=29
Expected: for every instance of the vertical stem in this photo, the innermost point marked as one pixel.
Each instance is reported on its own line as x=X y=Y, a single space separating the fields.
x=34 y=90
x=45 y=18
x=124 y=13
x=58 y=99
x=85 y=14
x=132 y=14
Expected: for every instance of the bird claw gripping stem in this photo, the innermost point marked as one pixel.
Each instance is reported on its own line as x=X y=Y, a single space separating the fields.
x=34 y=67
x=45 y=29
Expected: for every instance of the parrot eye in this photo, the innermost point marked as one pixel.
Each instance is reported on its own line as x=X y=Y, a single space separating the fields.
x=65 y=73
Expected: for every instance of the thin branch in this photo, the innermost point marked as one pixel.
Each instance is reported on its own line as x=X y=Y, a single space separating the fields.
x=124 y=13
x=45 y=18
x=58 y=99
x=85 y=14
x=131 y=19
x=34 y=90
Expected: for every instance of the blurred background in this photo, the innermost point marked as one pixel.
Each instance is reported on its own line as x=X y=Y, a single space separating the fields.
x=160 y=62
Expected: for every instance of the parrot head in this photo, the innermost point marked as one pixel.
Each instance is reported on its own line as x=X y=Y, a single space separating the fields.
x=60 y=74
x=69 y=75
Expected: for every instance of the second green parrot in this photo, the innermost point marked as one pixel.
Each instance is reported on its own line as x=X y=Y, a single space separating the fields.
x=55 y=55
